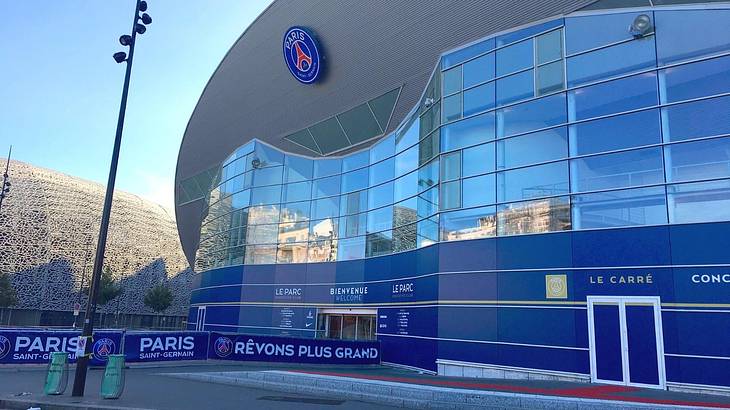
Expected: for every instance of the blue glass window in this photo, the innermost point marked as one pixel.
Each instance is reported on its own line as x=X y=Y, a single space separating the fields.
x=406 y=186
x=295 y=212
x=697 y=119
x=427 y=232
x=241 y=199
x=451 y=195
x=549 y=46
x=515 y=57
x=452 y=107
x=378 y=244
x=380 y=195
x=351 y=248
x=611 y=61
x=452 y=80
x=549 y=78
x=428 y=202
x=298 y=168
x=382 y=171
x=478 y=99
x=380 y=219
x=478 y=160
x=698 y=160
x=383 y=149
x=300 y=191
x=262 y=234
x=354 y=202
x=542 y=215
x=267 y=176
x=355 y=161
x=466 y=53
x=479 y=70
x=428 y=175
x=325 y=167
x=631 y=207
x=353 y=225
x=355 y=180
x=617 y=170
x=612 y=133
x=266 y=195
x=583 y=33
x=515 y=88
x=699 y=202
x=528 y=32
x=325 y=208
x=613 y=96
x=450 y=166
x=695 y=80
x=404 y=212
x=469 y=224
x=691 y=33
x=532 y=148
x=408 y=135
x=263 y=214
x=480 y=190
x=533 y=182
x=266 y=156
x=532 y=115
x=406 y=161
x=326 y=187
x=470 y=131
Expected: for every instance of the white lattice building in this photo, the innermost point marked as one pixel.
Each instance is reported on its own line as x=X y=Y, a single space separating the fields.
x=49 y=225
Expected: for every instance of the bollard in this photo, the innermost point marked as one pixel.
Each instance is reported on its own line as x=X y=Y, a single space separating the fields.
x=112 y=384
x=57 y=375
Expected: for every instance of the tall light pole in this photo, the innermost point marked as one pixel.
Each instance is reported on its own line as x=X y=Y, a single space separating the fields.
x=5 y=187
x=138 y=27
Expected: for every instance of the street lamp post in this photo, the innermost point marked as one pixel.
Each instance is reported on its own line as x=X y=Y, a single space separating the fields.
x=138 y=27
x=5 y=187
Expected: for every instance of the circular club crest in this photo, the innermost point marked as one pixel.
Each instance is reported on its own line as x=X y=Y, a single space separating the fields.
x=301 y=53
x=223 y=346
x=103 y=348
x=4 y=346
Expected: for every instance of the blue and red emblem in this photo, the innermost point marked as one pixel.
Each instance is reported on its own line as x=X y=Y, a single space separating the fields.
x=302 y=55
x=223 y=346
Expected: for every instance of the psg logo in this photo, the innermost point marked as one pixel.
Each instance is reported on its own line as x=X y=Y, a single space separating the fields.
x=103 y=348
x=301 y=53
x=223 y=346
x=4 y=346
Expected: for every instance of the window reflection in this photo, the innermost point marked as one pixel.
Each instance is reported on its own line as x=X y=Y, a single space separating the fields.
x=469 y=224
x=699 y=202
x=633 y=207
x=543 y=215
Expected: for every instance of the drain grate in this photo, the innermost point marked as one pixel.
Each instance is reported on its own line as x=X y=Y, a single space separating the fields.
x=324 y=402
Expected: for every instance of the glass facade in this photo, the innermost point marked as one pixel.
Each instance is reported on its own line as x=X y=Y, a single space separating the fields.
x=552 y=128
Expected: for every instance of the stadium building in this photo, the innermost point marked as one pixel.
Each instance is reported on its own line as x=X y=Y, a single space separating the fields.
x=491 y=189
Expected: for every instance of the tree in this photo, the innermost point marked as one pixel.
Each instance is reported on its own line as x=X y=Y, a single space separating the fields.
x=108 y=290
x=8 y=295
x=158 y=298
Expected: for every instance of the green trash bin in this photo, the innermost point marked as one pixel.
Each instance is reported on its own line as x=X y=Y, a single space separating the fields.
x=112 y=384
x=57 y=375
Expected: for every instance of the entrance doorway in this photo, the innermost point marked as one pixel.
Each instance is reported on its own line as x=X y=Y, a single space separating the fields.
x=347 y=324
x=626 y=341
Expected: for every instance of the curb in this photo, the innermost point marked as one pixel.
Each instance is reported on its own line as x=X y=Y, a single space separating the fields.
x=24 y=404
x=408 y=395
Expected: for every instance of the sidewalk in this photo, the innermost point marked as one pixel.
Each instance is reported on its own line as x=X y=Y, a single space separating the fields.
x=402 y=388
x=235 y=385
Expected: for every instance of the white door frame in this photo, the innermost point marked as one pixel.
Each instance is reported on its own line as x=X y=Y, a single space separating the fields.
x=200 y=319
x=621 y=302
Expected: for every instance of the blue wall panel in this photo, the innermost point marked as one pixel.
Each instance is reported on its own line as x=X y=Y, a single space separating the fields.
x=622 y=247
x=508 y=314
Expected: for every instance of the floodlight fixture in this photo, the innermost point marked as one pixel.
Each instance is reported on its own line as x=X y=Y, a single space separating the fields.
x=641 y=26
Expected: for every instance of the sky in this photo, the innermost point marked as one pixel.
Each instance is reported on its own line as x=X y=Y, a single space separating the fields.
x=61 y=88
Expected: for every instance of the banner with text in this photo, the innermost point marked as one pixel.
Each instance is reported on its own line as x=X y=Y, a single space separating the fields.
x=20 y=346
x=286 y=349
x=165 y=346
